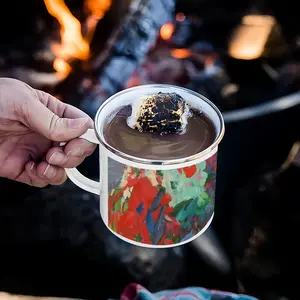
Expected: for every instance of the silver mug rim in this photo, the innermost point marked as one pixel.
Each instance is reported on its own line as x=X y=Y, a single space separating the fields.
x=147 y=161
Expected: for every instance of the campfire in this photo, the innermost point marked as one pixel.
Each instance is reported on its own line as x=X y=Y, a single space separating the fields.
x=82 y=62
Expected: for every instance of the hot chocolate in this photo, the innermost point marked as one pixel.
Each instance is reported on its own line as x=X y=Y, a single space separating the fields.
x=199 y=134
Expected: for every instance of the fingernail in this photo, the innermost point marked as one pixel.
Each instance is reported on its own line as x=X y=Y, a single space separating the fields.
x=78 y=123
x=57 y=158
x=75 y=152
x=49 y=172
x=32 y=166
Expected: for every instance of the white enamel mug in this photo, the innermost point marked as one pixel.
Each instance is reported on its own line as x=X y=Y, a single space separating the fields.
x=153 y=203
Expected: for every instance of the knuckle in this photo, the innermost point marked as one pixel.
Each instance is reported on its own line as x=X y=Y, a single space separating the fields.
x=53 y=126
x=55 y=132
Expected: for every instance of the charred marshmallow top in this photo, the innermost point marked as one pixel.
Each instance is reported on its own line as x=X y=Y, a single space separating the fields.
x=162 y=113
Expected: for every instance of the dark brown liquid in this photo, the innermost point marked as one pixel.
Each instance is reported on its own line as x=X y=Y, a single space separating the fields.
x=199 y=134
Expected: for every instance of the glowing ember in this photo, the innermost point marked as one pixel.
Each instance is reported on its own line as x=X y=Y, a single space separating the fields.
x=167 y=31
x=180 y=17
x=180 y=53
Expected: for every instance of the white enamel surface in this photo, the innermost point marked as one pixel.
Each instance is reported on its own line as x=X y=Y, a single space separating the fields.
x=158 y=167
x=83 y=182
x=76 y=177
x=104 y=184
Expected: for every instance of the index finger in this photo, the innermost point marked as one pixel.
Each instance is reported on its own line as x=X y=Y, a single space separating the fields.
x=60 y=108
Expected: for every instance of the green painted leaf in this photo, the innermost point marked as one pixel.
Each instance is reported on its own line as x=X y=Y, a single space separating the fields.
x=118 y=205
x=137 y=172
x=174 y=185
x=117 y=190
x=204 y=195
x=179 y=207
x=188 y=210
x=200 y=202
x=159 y=172
x=182 y=215
x=138 y=238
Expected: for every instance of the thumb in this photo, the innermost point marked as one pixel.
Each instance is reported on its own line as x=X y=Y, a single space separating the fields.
x=64 y=129
x=53 y=127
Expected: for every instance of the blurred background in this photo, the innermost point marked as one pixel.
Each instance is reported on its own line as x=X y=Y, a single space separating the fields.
x=245 y=57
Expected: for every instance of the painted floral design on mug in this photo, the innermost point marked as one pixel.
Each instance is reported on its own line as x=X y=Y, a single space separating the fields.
x=163 y=207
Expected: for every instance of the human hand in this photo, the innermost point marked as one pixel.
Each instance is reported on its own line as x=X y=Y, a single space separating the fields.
x=32 y=123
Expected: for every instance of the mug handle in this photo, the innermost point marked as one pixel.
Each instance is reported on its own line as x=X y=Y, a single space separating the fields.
x=76 y=177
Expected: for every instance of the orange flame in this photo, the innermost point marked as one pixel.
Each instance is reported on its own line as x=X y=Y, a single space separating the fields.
x=97 y=10
x=98 y=7
x=73 y=45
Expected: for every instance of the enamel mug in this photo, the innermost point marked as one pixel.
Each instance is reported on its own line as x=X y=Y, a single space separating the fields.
x=154 y=203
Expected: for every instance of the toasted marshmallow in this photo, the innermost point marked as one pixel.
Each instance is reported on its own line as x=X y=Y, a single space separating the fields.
x=162 y=113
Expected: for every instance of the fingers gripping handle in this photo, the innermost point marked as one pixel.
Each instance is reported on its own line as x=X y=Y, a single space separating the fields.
x=76 y=177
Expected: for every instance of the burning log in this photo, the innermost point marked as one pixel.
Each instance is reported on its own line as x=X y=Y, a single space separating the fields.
x=126 y=49
x=134 y=41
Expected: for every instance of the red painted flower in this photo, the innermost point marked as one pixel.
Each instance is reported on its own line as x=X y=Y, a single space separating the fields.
x=188 y=171
x=166 y=199
x=133 y=226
